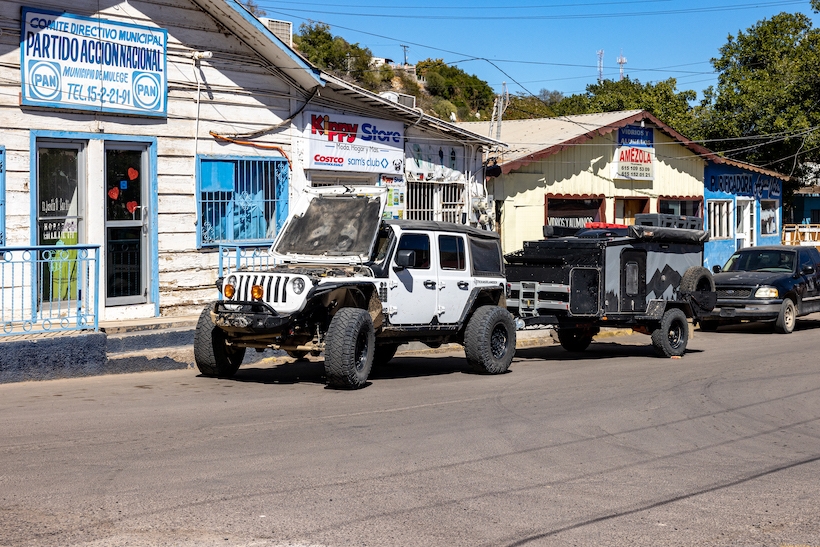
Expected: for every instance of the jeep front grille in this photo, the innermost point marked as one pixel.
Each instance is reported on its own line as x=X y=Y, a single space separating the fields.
x=275 y=287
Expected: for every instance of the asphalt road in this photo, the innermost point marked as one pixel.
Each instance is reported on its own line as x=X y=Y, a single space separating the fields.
x=613 y=447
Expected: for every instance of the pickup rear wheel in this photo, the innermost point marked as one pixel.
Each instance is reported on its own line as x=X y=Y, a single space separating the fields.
x=212 y=354
x=349 y=349
x=786 y=318
x=575 y=340
x=671 y=337
x=489 y=341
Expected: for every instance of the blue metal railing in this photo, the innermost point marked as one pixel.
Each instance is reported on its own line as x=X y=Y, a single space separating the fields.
x=49 y=288
x=247 y=257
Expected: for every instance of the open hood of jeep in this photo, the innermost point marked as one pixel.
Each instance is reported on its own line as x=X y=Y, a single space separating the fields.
x=332 y=224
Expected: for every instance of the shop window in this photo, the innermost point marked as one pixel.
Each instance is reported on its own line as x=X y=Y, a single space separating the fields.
x=242 y=200
x=769 y=217
x=719 y=214
x=688 y=207
x=573 y=213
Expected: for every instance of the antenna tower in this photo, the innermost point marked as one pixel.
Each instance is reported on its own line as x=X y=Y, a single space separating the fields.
x=405 y=53
x=622 y=62
x=600 y=65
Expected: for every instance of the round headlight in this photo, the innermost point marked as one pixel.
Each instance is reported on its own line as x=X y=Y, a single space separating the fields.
x=257 y=292
x=298 y=285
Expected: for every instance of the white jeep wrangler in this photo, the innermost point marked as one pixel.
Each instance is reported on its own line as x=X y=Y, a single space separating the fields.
x=355 y=287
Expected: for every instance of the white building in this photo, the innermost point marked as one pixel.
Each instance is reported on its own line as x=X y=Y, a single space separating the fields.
x=162 y=130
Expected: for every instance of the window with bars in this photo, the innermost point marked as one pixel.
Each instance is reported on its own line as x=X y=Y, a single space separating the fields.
x=719 y=214
x=435 y=201
x=241 y=200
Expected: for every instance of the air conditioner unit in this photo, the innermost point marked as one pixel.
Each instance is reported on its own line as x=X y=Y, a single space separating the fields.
x=281 y=29
x=401 y=98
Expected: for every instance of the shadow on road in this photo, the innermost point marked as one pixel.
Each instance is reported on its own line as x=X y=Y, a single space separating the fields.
x=767 y=327
x=596 y=350
x=313 y=371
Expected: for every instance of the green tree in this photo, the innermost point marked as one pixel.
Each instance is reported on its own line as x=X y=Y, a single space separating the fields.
x=523 y=106
x=336 y=55
x=662 y=99
x=767 y=98
x=465 y=91
x=255 y=9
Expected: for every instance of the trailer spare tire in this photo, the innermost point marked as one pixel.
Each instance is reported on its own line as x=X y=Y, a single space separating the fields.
x=697 y=278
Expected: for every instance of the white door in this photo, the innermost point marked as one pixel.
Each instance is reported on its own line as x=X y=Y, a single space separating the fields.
x=454 y=281
x=412 y=291
x=745 y=223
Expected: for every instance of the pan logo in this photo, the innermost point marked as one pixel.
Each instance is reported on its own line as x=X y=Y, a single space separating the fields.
x=44 y=80
x=147 y=91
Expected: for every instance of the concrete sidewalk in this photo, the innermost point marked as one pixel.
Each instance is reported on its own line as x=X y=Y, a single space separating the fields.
x=151 y=345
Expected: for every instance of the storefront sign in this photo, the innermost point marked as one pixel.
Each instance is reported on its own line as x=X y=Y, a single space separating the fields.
x=747 y=184
x=352 y=143
x=633 y=163
x=435 y=161
x=632 y=135
x=71 y=61
x=573 y=213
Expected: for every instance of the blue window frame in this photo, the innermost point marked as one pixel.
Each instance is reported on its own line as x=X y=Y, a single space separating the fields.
x=241 y=200
x=2 y=195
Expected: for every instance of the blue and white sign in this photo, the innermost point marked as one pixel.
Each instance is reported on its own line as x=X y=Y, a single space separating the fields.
x=633 y=135
x=71 y=61
x=353 y=143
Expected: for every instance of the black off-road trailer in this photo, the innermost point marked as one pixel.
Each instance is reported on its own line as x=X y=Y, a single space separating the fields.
x=648 y=278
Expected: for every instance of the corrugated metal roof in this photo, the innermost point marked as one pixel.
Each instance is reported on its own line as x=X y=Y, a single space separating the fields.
x=532 y=140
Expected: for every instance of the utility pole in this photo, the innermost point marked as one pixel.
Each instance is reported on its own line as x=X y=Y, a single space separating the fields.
x=600 y=65
x=500 y=105
x=405 y=48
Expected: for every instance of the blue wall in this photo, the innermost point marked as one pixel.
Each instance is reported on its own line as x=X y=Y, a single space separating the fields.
x=727 y=182
x=803 y=205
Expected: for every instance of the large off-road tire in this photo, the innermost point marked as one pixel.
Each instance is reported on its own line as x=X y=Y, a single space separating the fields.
x=671 y=337
x=384 y=353
x=697 y=278
x=349 y=349
x=489 y=341
x=575 y=340
x=787 y=317
x=708 y=326
x=296 y=354
x=213 y=356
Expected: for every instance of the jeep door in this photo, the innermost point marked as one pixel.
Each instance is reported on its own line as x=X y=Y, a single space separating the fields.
x=412 y=290
x=454 y=279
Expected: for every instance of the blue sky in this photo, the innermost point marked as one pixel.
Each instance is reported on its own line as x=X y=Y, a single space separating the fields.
x=546 y=44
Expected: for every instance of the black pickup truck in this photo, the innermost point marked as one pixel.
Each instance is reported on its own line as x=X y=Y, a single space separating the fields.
x=648 y=278
x=774 y=283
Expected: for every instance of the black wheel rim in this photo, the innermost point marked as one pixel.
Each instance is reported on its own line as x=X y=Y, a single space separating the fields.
x=361 y=350
x=498 y=342
x=676 y=335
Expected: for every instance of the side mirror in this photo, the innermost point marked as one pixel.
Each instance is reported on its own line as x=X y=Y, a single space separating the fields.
x=549 y=231
x=406 y=258
x=808 y=269
x=716 y=268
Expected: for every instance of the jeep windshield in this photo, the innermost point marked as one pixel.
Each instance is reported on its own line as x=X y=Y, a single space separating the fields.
x=333 y=226
x=761 y=260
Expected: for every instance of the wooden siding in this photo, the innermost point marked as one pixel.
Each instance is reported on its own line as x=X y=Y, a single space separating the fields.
x=239 y=93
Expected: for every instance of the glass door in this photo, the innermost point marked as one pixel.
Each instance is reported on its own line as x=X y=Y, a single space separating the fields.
x=60 y=188
x=126 y=224
x=745 y=222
